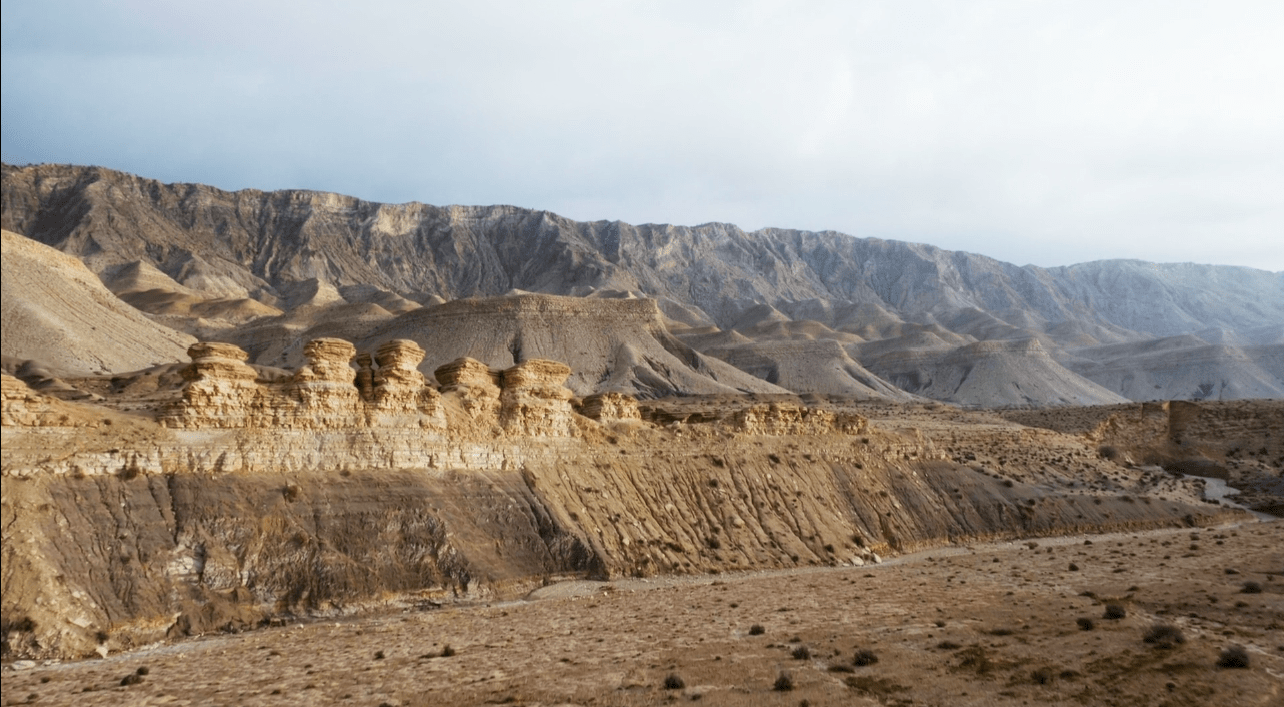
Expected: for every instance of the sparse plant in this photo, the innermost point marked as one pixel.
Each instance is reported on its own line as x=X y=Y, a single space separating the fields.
x=1233 y=657
x=1108 y=452
x=1165 y=636
x=1085 y=623
x=1043 y=675
x=864 y=657
x=674 y=682
x=948 y=646
x=801 y=653
x=757 y=630
x=1074 y=567
x=1114 y=611
x=784 y=682
x=1251 y=588
x=447 y=651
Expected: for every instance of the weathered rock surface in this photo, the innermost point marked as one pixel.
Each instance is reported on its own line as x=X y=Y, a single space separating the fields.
x=159 y=530
x=535 y=401
x=476 y=384
x=610 y=407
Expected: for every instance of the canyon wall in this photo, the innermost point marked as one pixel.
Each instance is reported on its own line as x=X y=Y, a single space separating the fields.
x=339 y=490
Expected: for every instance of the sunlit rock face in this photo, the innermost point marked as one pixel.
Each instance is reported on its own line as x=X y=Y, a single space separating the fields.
x=610 y=407
x=474 y=383
x=535 y=400
x=400 y=390
x=777 y=419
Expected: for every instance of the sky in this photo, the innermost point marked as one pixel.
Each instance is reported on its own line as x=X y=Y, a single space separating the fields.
x=1035 y=132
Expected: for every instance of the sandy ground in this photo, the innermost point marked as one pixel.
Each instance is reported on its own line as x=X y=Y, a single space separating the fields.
x=980 y=625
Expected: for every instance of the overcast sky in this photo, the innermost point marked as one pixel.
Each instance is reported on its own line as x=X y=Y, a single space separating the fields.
x=1034 y=132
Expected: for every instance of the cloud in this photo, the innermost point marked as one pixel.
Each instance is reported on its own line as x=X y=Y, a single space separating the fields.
x=1033 y=132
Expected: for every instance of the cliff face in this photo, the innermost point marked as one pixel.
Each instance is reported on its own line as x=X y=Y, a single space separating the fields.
x=250 y=500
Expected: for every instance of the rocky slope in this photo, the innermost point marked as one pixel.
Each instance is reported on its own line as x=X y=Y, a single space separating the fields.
x=308 y=249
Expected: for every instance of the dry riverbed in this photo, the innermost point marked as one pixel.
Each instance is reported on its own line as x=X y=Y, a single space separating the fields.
x=981 y=625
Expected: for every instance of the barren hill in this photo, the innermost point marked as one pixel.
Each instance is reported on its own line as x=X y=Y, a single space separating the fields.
x=991 y=374
x=618 y=345
x=57 y=312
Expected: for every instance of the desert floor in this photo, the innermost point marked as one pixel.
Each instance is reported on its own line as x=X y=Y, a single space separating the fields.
x=978 y=625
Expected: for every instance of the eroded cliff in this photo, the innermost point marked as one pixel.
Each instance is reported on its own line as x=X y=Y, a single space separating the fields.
x=338 y=489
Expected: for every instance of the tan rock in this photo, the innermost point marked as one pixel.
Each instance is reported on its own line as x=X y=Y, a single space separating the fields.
x=786 y=419
x=221 y=390
x=610 y=407
x=399 y=387
x=20 y=406
x=535 y=400
x=474 y=383
x=326 y=387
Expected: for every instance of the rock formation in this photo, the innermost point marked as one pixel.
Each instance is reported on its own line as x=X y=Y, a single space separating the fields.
x=780 y=419
x=535 y=400
x=476 y=385
x=24 y=407
x=399 y=389
x=610 y=407
x=221 y=391
x=252 y=503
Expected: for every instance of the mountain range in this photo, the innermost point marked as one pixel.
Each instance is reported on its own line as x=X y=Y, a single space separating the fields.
x=767 y=311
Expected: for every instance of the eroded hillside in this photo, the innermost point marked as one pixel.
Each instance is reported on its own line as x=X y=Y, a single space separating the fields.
x=223 y=496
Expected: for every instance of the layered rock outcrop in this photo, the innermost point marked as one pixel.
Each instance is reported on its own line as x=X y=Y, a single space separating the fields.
x=20 y=406
x=400 y=390
x=224 y=392
x=535 y=400
x=221 y=391
x=610 y=407
x=777 y=419
x=475 y=384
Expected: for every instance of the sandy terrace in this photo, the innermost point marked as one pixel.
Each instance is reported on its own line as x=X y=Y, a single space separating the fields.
x=981 y=625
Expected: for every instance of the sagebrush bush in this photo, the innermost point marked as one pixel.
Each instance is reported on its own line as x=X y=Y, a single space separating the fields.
x=1164 y=636
x=864 y=657
x=674 y=682
x=1114 y=612
x=784 y=682
x=1085 y=623
x=757 y=630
